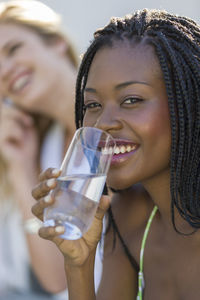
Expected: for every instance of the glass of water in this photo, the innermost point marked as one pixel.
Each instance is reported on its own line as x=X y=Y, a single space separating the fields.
x=80 y=185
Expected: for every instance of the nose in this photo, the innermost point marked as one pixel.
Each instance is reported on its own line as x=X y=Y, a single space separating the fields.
x=109 y=120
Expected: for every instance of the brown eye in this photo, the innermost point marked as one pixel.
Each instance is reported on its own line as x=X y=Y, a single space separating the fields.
x=91 y=106
x=132 y=100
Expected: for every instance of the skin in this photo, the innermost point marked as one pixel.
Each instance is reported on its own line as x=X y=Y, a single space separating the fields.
x=171 y=260
x=45 y=77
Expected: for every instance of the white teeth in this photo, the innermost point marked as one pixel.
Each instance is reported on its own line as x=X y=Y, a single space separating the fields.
x=118 y=149
x=104 y=151
x=20 y=83
x=128 y=148
x=122 y=149
x=110 y=151
x=107 y=150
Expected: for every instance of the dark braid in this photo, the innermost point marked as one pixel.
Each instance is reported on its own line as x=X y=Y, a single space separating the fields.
x=116 y=231
x=176 y=41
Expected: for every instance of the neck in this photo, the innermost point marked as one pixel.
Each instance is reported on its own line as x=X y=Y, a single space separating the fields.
x=159 y=191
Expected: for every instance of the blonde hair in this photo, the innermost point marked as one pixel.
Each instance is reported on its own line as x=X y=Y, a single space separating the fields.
x=42 y=20
x=39 y=18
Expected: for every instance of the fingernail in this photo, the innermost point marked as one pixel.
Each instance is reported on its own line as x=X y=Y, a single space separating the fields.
x=56 y=172
x=60 y=229
x=51 y=182
x=47 y=199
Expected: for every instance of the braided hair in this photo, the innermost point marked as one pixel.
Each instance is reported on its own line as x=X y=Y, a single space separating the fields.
x=176 y=41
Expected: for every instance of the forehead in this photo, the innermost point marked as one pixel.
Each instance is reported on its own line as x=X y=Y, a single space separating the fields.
x=124 y=60
x=15 y=31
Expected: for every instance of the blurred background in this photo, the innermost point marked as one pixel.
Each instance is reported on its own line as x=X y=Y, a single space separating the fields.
x=82 y=17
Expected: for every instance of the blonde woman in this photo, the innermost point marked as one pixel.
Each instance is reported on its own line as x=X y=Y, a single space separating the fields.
x=37 y=78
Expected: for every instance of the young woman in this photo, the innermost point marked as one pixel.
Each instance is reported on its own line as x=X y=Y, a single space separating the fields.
x=140 y=81
x=37 y=79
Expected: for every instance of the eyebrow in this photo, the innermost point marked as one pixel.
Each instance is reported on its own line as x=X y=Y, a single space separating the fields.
x=10 y=43
x=119 y=86
x=7 y=45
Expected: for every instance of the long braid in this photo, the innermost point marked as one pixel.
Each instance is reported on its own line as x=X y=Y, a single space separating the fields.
x=177 y=43
x=169 y=88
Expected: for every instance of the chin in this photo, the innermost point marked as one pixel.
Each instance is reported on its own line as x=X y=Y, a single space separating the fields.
x=118 y=185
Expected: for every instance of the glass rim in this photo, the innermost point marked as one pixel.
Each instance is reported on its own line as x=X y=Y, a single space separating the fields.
x=112 y=141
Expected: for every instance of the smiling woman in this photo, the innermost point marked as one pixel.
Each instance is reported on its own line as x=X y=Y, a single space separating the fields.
x=139 y=80
x=132 y=106
x=28 y=79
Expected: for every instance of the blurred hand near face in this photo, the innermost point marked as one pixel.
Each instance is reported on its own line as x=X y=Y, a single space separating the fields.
x=18 y=143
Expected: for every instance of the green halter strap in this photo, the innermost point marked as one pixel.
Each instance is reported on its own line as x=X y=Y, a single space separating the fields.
x=140 y=274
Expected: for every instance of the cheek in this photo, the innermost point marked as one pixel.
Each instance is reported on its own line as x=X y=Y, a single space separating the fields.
x=152 y=126
x=158 y=128
x=157 y=136
x=161 y=123
x=89 y=120
x=155 y=122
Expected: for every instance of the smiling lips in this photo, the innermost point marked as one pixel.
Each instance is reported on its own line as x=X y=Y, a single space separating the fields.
x=20 y=82
x=122 y=150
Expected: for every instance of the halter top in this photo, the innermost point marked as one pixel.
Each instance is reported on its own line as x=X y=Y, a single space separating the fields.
x=140 y=274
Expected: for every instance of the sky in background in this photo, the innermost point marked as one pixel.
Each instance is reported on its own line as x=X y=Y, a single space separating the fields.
x=82 y=17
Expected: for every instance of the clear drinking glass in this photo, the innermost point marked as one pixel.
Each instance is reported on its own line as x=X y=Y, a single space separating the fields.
x=80 y=185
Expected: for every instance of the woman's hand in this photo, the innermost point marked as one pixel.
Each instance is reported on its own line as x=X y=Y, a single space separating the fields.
x=19 y=143
x=19 y=148
x=75 y=252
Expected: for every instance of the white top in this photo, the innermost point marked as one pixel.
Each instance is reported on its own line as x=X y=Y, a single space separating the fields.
x=14 y=257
